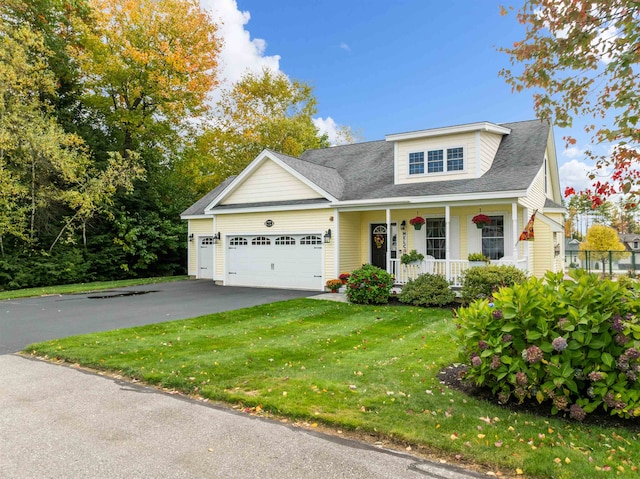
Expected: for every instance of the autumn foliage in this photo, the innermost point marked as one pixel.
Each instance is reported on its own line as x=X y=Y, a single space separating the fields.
x=580 y=58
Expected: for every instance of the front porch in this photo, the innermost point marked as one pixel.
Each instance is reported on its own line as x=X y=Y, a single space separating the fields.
x=446 y=237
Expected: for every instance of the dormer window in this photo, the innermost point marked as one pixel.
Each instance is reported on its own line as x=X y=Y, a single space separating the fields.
x=416 y=163
x=436 y=161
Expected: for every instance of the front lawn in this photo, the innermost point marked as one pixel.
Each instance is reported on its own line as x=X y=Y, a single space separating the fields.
x=366 y=368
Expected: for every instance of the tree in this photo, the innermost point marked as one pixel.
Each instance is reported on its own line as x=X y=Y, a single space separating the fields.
x=148 y=66
x=264 y=110
x=581 y=59
x=601 y=241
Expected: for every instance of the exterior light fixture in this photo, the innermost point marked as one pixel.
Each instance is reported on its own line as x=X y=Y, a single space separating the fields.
x=216 y=237
x=327 y=236
x=191 y=237
x=403 y=225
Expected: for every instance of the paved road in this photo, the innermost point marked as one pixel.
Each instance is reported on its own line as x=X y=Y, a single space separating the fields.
x=61 y=423
x=29 y=320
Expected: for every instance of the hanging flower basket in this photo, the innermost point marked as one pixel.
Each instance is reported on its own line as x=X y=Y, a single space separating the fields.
x=417 y=222
x=481 y=221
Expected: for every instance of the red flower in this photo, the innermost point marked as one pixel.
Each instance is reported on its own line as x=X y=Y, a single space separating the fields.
x=418 y=220
x=481 y=219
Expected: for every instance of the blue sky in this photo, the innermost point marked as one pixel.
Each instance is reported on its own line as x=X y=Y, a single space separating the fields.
x=389 y=66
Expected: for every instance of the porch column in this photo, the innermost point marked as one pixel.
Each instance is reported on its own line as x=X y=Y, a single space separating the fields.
x=336 y=242
x=388 y=220
x=447 y=242
x=516 y=231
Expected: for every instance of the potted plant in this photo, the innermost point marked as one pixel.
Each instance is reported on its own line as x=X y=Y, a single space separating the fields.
x=477 y=259
x=417 y=222
x=481 y=220
x=334 y=285
x=344 y=277
x=411 y=257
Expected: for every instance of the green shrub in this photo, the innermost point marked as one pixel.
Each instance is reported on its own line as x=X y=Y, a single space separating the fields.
x=427 y=290
x=573 y=344
x=481 y=282
x=411 y=257
x=369 y=285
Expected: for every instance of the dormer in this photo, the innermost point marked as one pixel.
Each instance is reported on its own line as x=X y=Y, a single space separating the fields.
x=450 y=153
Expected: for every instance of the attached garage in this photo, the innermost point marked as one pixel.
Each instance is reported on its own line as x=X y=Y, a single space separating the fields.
x=275 y=261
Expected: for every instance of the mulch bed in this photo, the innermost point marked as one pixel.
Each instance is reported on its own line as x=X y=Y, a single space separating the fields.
x=453 y=377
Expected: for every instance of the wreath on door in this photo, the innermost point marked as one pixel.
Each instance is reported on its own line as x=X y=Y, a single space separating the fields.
x=378 y=240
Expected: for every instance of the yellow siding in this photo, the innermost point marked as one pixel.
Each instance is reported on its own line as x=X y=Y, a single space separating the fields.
x=536 y=195
x=542 y=248
x=489 y=143
x=350 y=244
x=465 y=140
x=270 y=182
x=200 y=227
x=310 y=221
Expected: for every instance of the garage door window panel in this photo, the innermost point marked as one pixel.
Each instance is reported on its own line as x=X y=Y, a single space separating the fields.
x=285 y=240
x=260 y=241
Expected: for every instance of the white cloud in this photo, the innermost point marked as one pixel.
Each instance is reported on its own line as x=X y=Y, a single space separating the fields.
x=574 y=174
x=573 y=152
x=345 y=47
x=240 y=53
x=328 y=126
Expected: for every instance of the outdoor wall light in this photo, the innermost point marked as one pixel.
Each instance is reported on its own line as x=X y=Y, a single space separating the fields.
x=403 y=225
x=216 y=237
x=191 y=237
x=556 y=250
x=327 y=236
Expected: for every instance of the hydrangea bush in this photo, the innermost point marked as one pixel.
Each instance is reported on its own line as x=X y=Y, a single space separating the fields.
x=574 y=344
x=369 y=285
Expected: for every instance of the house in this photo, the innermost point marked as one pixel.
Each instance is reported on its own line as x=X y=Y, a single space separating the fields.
x=288 y=222
x=631 y=241
x=572 y=253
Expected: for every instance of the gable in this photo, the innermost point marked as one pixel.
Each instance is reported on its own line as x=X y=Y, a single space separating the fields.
x=269 y=182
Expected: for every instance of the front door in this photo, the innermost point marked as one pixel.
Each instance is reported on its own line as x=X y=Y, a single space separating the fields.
x=379 y=245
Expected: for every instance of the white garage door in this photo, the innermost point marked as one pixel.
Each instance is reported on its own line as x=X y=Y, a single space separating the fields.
x=276 y=261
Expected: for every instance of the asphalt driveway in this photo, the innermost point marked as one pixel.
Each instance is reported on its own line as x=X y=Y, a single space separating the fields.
x=28 y=320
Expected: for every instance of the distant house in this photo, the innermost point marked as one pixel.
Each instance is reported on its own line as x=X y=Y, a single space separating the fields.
x=571 y=250
x=631 y=241
x=288 y=222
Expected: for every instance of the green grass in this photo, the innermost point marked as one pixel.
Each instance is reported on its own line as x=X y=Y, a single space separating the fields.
x=83 y=287
x=366 y=368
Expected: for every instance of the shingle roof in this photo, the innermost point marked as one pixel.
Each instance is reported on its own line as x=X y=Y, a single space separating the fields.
x=368 y=167
x=364 y=171
x=198 y=207
x=325 y=177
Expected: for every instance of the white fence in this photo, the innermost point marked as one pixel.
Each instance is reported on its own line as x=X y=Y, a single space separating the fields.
x=452 y=270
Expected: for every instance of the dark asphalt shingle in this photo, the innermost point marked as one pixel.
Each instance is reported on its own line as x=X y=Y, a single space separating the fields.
x=365 y=170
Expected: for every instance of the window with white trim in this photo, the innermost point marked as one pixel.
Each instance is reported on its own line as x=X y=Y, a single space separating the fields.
x=416 y=163
x=285 y=240
x=436 y=161
x=260 y=241
x=311 y=240
x=455 y=159
x=238 y=241
x=493 y=238
x=436 y=233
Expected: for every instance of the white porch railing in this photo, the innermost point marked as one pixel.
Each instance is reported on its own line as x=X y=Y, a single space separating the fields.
x=404 y=272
